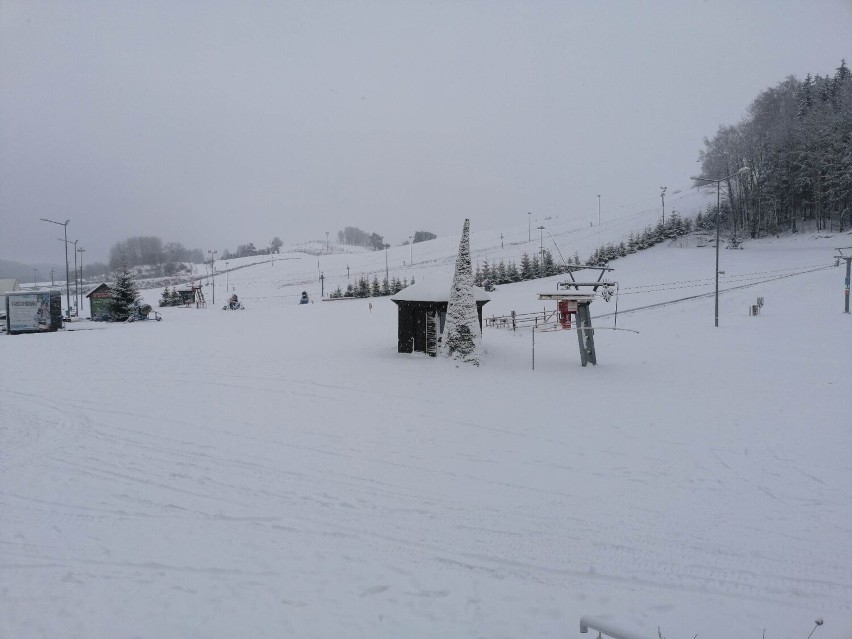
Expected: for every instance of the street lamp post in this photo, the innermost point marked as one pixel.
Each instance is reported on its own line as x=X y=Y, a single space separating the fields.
x=76 y=288
x=35 y=277
x=213 y=272
x=663 y=198
x=529 y=226
x=599 y=210
x=718 y=182
x=81 y=250
x=67 y=283
x=541 y=249
x=599 y=218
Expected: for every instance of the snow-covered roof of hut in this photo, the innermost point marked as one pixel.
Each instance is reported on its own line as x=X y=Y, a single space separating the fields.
x=434 y=290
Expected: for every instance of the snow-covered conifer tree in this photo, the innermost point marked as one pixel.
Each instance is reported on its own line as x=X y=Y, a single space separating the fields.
x=124 y=293
x=462 y=336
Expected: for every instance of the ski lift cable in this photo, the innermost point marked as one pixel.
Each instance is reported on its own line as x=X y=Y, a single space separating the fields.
x=700 y=295
x=746 y=277
x=710 y=279
x=561 y=257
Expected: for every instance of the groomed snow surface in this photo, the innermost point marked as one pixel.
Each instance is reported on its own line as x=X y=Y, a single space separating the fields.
x=282 y=471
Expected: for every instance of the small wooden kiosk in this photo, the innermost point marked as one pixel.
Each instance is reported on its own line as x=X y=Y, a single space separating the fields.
x=423 y=311
x=100 y=300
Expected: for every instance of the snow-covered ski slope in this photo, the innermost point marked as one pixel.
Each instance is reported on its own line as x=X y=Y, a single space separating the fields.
x=282 y=471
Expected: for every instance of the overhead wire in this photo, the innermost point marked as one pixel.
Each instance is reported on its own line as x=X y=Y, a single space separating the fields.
x=711 y=293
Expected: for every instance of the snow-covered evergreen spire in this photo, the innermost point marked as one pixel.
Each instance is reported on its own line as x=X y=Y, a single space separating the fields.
x=124 y=292
x=462 y=337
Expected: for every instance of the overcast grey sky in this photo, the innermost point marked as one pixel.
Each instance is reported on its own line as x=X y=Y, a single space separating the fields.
x=216 y=123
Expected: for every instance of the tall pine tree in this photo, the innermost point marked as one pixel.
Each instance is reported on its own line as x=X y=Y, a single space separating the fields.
x=462 y=336
x=124 y=293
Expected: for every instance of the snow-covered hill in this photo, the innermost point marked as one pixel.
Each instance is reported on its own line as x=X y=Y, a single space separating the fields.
x=283 y=471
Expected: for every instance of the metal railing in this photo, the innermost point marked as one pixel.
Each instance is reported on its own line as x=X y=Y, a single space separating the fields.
x=521 y=320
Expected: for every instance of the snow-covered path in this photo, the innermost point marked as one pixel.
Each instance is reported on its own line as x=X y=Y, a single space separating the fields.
x=282 y=471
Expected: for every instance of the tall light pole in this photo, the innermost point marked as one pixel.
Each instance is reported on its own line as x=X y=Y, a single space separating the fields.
x=35 y=277
x=411 y=250
x=663 y=198
x=81 y=251
x=599 y=218
x=529 y=226
x=326 y=242
x=213 y=272
x=227 y=283
x=599 y=210
x=67 y=283
x=718 y=182
x=541 y=249
x=76 y=288
x=387 y=273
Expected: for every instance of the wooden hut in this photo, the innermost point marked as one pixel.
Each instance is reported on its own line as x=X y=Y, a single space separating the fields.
x=100 y=300
x=422 y=307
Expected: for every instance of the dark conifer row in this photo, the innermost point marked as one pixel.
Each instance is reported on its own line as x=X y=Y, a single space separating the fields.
x=363 y=287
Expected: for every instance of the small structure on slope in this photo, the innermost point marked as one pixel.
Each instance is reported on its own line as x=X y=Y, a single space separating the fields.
x=422 y=313
x=100 y=300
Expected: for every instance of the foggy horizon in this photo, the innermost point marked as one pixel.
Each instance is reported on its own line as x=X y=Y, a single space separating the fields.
x=219 y=124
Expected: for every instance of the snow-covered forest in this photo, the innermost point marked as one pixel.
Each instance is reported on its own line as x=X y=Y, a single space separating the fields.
x=796 y=139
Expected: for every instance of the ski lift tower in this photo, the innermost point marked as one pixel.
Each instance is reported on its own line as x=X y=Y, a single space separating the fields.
x=571 y=300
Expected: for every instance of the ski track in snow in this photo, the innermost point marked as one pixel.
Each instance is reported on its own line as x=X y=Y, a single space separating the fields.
x=316 y=497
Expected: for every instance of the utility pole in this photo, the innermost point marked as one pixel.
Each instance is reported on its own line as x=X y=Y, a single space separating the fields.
x=51 y=278
x=67 y=275
x=718 y=183
x=599 y=218
x=35 y=277
x=76 y=288
x=529 y=227
x=213 y=272
x=387 y=277
x=81 y=250
x=322 y=285
x=663 y=198
x=841 y=256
